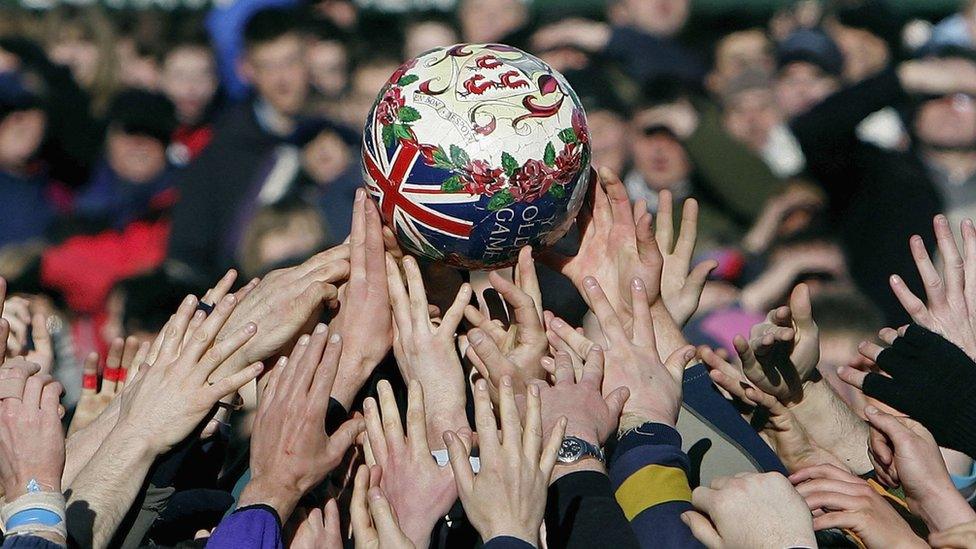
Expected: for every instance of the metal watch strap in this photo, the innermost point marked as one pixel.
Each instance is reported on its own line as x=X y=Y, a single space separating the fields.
x=574 y=449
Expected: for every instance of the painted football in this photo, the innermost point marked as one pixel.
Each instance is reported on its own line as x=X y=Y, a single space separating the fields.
x=475 y=151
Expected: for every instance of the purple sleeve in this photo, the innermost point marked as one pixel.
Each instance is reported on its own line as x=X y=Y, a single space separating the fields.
x=252 y=527
x=507 y=542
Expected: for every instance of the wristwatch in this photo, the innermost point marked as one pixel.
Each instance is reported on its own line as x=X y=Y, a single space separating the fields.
x=574 y=449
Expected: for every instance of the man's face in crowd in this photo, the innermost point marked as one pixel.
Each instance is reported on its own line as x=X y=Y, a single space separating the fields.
x=609 y=139
x=329 y=65
x=485 y=21
x=326 y=157
x=663 y=18
x=279 y=72
x=947 y=122
x=800 y=86
x=299 y=238
x=737 y=53
x=21 y=133
x=426 y=36
x=190 y=81
x=658 y=156
x=750 y=115
x=134 y=157
x=367 y=80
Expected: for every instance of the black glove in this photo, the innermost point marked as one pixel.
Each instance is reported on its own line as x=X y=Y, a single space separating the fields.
x=934 y=382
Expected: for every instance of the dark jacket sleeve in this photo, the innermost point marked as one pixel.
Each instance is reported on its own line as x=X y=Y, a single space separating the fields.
x=649 y=475
x=252 y=527
x=828 y=131
x=507 y=542
x=647 y=57
x=29 y=542
x=581 y=512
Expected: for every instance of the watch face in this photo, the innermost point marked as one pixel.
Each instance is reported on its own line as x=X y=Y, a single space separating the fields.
x=569 y=450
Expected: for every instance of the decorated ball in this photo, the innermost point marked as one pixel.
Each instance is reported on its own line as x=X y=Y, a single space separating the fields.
x=473 y=152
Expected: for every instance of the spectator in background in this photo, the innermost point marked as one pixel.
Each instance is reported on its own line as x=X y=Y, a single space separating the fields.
x=426 y=33
x=737 y=53
x=189 y=80
x=83 y=40
x=644 y=39
x=226 y=23
x=29 y=203
x=367 y=77
x=328 y=62
x=751 y=115
x=945 y=127
x=281 y=235
x=872 y=190
x=73 y=138
x=328 y=176
x=134 y=176
x=809 y=67
x=486 y=21
x=252 y=158
x=121 y=220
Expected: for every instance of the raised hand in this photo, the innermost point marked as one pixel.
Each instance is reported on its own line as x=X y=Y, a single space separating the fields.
x=290 y=451
x=16 y=313
x=320 y=529
x=173 y=396
x=614 y=246
x=780 y=359
x=950 y=310
x=31 y=449
x=750 y=510
x=284 y=304
x=655 y=385
x=123 y=355
x=418 y=488
x=364 y=301
x=908 y=454
x=374 y=521
x=516 y=352
x=928 y=378
x=508 y=495
x=31 y=442
x=681 y=286
x=25 y=323
x=783 y=351
x=426 y=351
x=781 y=429
x=842 y=500
x=588 y=414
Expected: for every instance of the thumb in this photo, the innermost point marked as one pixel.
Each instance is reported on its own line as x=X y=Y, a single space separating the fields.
x=344 y=437
x=896 y=431
x=616 y=400
x=699 y=275
x=676 y=363
x=702 y=529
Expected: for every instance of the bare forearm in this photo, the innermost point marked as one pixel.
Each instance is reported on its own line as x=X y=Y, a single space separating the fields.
x=667 y=334
x=82 y=445
x=104 y=490
x=834 y=426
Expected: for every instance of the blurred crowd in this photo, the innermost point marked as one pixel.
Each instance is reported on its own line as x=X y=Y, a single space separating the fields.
x=803 y=159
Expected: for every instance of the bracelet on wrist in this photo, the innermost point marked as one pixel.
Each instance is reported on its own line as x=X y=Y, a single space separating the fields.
x=35 y=512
